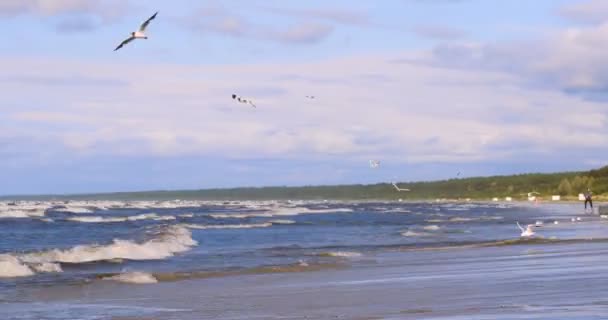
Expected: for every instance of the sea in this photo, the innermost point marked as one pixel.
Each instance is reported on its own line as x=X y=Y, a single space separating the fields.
x=144 y=260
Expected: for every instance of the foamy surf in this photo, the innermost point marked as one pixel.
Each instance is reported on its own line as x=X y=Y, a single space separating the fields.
x=74 y=210
x=173 y=240
x=341 y=254
x=431 y=228
x=133 y=277
x=11 y=267
x=21 y=214
x=99 y=219
x=227 y=226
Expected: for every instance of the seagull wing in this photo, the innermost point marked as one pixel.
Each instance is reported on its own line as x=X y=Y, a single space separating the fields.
x=520 y=228
x=251 y=103
x=143 y=26
x=129 y=39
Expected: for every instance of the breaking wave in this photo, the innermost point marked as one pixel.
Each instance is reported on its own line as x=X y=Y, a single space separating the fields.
x=340 y=254
x=173 y=240
x=99 y=219
x=133 y=277
x=22 y=214
x=11 y=267
x=227 y=226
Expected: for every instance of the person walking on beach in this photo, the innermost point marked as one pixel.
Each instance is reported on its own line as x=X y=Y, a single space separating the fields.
x=588 y=199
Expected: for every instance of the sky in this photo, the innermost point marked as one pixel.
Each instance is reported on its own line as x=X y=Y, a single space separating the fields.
x=429 y=88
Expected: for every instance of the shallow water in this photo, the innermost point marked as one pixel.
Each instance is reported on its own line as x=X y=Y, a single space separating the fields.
x=313 y=260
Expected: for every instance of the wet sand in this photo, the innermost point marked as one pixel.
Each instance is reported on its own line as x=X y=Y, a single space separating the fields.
x=544 y=281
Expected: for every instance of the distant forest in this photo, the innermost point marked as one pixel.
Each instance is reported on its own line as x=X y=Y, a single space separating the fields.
x=566 y=184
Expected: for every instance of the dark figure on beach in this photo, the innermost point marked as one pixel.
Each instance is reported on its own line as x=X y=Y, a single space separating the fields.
x=588 y=199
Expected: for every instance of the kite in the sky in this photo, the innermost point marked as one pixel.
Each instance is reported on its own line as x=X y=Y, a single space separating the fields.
x=139 y=34
x=243 y=100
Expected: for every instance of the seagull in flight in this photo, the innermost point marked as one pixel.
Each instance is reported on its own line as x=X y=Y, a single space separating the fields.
x=527 y=232
x=374 y=164
x=310 y=97
x=399 y=189
x=139 y=34
x=243 y=100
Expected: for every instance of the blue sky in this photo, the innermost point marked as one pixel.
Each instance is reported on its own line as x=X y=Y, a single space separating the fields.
x=428 y=87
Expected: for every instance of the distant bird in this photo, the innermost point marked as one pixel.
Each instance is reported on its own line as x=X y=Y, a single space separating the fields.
x=374 y=164
x=528 y=232
x=139 y=34
x=399 y=189
x=458 y=174
x=243 y=100
x=310 y=97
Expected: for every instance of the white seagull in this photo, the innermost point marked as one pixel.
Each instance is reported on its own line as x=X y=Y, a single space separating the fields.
x=139 y=34
x=399 y=189
x=527 y=232
x=243 y=100
x=374 y=164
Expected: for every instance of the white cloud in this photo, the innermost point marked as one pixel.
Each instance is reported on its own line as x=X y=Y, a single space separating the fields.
x=590 y=11
x=217 y=19
x=418 y=113
x=103 y=8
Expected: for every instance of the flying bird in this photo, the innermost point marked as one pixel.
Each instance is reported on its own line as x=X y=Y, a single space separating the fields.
x=310 y=97
x=374 y=164
x=527 y=232
x=243 y=100
x=399 y=189
x=139 y=34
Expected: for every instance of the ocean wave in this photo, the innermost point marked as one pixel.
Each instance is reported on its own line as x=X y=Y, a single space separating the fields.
x=173 y=240
x=11 y=267
x=431 y=228
x=411 y=233
x=227 y=226
x=298 y=211
x=278 y=212
x=340 y=254
x=47 y=267
x=282 y=221
x=99 y=219
x=22 y=214
x=240 y=215
x=73 y=210
x=133 y=277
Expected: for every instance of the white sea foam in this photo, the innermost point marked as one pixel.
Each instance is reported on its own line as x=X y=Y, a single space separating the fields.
x=133 y=277
x=11 y=267
x=342 y=254
x=173 y=240
x=227 y=226
x=431 y=228
x=21 y=213
x=298 y=211
x=411 y=233
x=241 y=215
x=71 y=209
x=99 y=219
x=47 y=267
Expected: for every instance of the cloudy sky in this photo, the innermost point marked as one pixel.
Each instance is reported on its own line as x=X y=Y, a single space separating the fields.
x=428 y=87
